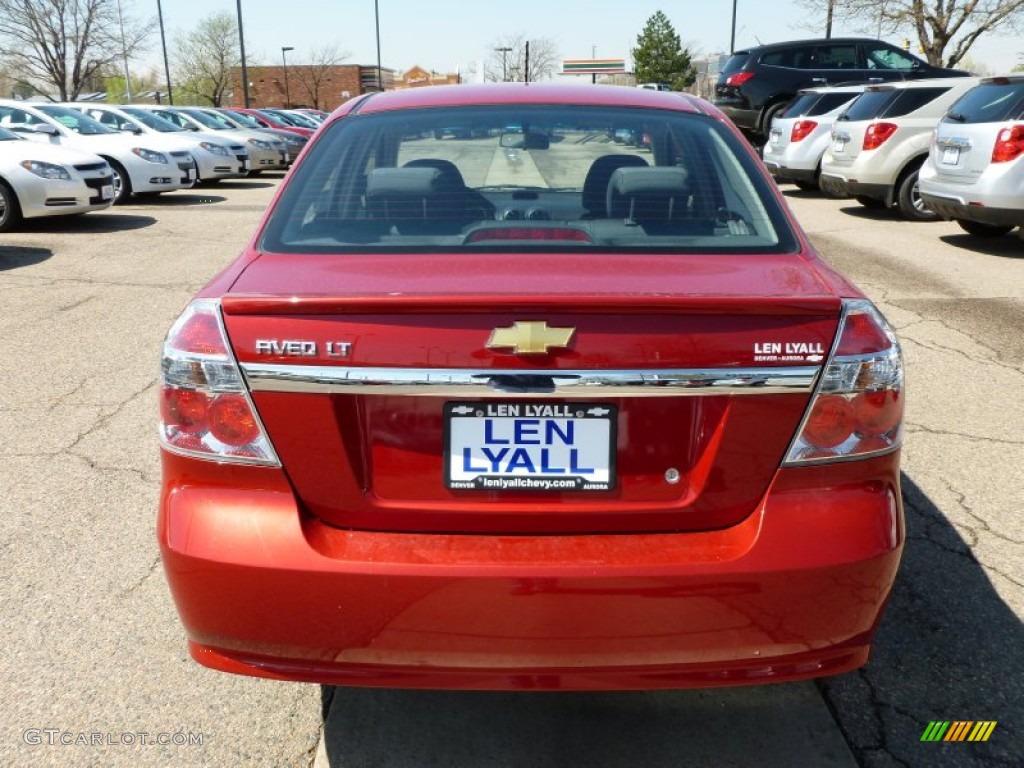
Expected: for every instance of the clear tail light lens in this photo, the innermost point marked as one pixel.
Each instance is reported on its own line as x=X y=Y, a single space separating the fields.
x=802 y=129
x=1009 y=144
x=877 y=134
x=857 y=408
x=205 y=410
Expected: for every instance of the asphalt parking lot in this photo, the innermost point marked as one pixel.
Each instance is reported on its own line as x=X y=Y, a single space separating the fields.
x=93 y=645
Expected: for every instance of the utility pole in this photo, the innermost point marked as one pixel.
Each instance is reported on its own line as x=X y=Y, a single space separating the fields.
x=284 y=63
x=504 y=51
x=526 y=77
x=732 y=37
x=828 y=18
x=376 y=16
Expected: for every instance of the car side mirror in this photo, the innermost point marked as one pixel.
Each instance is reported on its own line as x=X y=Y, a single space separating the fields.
x=129 y=128
x=46 y=128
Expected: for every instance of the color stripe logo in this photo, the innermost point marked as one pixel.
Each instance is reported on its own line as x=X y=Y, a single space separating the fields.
x=958 y=730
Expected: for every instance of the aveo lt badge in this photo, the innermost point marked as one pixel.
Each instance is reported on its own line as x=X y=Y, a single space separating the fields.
x=529 y=337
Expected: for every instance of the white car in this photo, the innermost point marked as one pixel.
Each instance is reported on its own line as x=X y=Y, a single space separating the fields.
x=267 y=152
x=39 y=180
x=800 y=134
x=262 y=152
x=209 y=153
x=293 y=142
x=974 y=174
x=880 y=142
x=141 y=165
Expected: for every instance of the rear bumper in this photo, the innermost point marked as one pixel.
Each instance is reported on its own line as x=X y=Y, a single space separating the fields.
x=839 y=186
x=794 y=591
x=783 y=172
x=954 y=209
x=740 y=113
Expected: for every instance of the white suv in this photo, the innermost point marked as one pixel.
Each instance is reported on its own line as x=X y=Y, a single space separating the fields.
x=142 y=165
x=881 y=140
x=800 y=134
x=975 y=171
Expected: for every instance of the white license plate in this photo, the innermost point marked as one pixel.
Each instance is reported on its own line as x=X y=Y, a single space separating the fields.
x=107 y=192
x=839 y=145
x=951 y=155
x=535 y=446
x=244 y=165
x=776 y=136
x=191 y=174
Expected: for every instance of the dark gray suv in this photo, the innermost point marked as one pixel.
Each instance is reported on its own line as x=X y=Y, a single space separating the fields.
x=756 y=83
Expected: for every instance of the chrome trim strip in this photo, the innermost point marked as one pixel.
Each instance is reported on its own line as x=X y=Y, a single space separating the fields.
x=490 y=383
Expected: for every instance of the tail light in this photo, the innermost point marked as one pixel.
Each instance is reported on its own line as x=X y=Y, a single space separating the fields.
x=205 y=410
x=877 y=133
x=1009 y=144
x=802 y=129
x=739 y=78
x=857 y=408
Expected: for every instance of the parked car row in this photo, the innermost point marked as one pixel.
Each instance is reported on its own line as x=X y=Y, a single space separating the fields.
x=73 y=158
x=944 y=148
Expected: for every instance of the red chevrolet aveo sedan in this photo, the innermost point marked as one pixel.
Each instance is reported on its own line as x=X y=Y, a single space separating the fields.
x=492 y=401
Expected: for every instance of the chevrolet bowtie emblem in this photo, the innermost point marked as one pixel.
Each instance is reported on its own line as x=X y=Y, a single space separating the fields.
x=529 y=337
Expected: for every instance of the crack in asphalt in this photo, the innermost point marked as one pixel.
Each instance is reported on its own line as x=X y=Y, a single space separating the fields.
x=103 y=421
x=921 y=428
x=149 y=572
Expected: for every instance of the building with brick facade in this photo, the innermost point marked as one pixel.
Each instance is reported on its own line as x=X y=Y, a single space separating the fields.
x=308 y=85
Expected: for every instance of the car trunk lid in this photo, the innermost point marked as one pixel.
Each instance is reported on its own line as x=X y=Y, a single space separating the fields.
x=673 y=400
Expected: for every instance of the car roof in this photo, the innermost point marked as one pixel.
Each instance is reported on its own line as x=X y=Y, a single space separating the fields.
x=526 y=93
x=933 y=82
x=809 y=41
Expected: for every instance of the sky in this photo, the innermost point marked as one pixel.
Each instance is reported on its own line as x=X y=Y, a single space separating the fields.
x=451 y=35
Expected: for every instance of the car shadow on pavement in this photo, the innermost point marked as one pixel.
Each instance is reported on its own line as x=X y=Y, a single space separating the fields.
x=1010 y=246
x=949 y=649
x=179 y=199
x=89 y=223
x=239 y=184
x=15 y=256
x=873 y=214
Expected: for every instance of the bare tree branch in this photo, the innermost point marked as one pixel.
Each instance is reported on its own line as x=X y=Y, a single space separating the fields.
x=59 y=46
x=312 y=76
x=508 y=59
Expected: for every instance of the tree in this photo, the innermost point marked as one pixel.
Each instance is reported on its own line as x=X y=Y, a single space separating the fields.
x=507 y=61
x=659 y=56
x=206 y=56
x=945 y=29
x=314 y=75
x=60 y=45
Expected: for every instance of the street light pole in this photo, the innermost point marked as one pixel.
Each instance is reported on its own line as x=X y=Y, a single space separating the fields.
x=284 y=62
x=504 y=51
x=124 y=54
x=241 y=46
x=732 y=38
x=376 y=18
x=163 y=45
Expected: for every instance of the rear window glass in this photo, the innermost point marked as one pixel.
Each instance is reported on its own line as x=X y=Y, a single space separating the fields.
x=735 y=63
x=528 y=178
x=910 y=99
x=989 y=103
x=796 y=58
x=798 y=107
x=829 y=102
x=868 y=105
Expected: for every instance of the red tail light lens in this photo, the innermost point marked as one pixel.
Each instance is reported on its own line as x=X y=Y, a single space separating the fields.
x=877 y=134
x=1009 y=144
x=739 y=78
x=205 y=411
x=802 y=129
x=857 y=409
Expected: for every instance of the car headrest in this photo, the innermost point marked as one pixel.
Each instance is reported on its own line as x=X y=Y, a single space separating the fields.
x=404 y=182
x=595 y=186
x=658 y=193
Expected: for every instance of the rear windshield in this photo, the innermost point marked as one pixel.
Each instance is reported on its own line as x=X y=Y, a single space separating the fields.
x=814 y=103
x=989 y=103
x=528 y=178
x=828 y=103
x=890 y=103
x=735 y=63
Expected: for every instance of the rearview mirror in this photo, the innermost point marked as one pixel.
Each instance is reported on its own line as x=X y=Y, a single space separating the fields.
x=524 y=141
